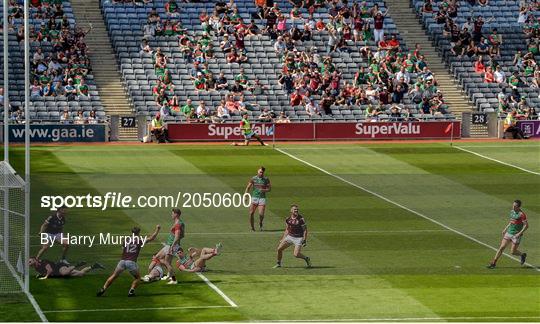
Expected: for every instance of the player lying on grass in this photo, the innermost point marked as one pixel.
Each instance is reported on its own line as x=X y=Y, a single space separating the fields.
x=48 y=269
x=171 y=247
x=130 y=253
x=513 y=232
x=295 y=234
x=195 y=259
x=155 y=271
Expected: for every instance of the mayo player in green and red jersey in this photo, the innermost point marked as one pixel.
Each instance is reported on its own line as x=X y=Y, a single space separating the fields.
x=513 y=233
x=247 y=131
x=295 y=234
x=195 y=259
x=259 y=185
x=171 y=247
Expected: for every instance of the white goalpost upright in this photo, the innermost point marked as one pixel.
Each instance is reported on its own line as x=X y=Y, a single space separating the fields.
x=14 y=189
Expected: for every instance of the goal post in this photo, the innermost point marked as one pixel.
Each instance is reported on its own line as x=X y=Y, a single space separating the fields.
x=14 y=247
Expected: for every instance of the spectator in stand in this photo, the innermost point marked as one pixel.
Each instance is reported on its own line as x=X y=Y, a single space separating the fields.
x=311 y=107
x=221 y=83
x=171 y=9
x=65 y=118
x=79 y=119
x=266 y=116
x=479 y=66
x=36 y=90
x=222 y=111
x=70 y=91
x=283 y=118
x=188 y=108
x=488 y=76
x=499 y=76
x=378 y=21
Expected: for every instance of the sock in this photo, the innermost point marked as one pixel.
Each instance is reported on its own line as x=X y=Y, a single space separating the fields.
x=131 y=290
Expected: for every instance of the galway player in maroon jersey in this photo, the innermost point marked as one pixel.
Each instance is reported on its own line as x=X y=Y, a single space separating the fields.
x=295 y=234
x=48 y=269
x=130 y=253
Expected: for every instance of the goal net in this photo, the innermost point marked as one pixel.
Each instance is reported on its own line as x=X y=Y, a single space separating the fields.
x=12 y=230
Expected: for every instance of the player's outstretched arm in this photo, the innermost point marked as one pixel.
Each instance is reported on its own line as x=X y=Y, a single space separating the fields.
x=49 y=272
x=155 y=234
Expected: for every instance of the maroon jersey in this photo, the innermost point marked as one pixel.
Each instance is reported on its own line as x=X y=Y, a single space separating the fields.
x=41 y=268
x=296 y=226
x=378 y=22
x=131 y=252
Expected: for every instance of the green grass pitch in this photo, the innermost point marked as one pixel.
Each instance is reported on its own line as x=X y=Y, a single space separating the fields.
x=374 y=256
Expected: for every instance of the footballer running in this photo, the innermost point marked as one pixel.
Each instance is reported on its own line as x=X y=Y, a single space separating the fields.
x=130 y=253
x=295 y=234
x=259 y=186
x=245 y=126
x=513 y=232
x=53 y=226
x=171 y=247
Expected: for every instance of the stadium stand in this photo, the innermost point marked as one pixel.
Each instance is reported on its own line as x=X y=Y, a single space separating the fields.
x=517 y=24
x=127 y=22
x=54 y=97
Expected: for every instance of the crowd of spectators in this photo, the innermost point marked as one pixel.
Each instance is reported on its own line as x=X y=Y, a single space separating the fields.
x=315 y=83
x=309 y=75
x=471 y=40
x=60 y=63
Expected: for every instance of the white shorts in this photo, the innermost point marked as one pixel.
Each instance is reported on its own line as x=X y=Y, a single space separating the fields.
x=174 y=250
x=258 y=201
x=512 y=238
x=128 y=265
x=296 y=241
x=159 y=271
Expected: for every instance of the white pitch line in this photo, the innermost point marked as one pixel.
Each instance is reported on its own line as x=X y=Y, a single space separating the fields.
x=131 y=309
x=216 y=289
x=500 y=146
x=402 y=319
x=403 y=207
x=495 y=160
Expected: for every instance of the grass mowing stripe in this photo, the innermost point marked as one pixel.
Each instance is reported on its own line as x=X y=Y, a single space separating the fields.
x=495 y=160
x=132 y=309
x=406 y=319
x=216 y=289
x=402 y=207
